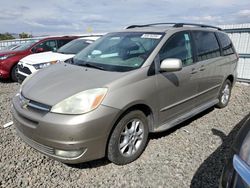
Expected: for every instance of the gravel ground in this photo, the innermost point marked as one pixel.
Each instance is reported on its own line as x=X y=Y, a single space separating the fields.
x=190 y=155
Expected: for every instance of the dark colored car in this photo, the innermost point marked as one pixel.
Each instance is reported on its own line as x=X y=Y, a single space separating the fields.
x=10 y=58
x=236 y=173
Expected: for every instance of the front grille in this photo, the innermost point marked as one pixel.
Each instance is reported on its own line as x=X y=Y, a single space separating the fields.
x=36 y=145
x=33 y=104
x=39 y=106
x=23 y=69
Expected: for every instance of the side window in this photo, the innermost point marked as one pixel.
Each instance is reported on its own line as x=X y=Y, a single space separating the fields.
x=49 y=45
x=178 y=46
x=226 y=44
x=207 y=45
x=62 y=42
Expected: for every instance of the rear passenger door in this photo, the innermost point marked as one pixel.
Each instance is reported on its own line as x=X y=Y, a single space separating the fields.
x=177 y=90
x=209 y=65
x=48 y=45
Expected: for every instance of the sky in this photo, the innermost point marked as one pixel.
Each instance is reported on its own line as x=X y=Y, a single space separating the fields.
x=81 y=16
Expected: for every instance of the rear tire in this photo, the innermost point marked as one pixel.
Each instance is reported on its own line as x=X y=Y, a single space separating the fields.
x=129 y=138
x=225 y=94
x=13 y=73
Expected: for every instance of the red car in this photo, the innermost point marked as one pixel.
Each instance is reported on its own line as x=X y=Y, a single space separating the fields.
x=9 y=59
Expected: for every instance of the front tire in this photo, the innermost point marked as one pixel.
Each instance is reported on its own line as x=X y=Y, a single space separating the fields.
x=129 y=138
x=13 y=73
x=225 y=94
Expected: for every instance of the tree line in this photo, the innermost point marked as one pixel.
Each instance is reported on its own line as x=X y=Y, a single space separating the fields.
x=8 y=36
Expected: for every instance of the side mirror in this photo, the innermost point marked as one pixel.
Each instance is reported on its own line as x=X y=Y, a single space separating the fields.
x=171 y=65
x=38 y=50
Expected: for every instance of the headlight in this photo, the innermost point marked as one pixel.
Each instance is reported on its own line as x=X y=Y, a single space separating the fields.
x=43 y=65
x=82 y=102
x=245 y=149
x=6 y=56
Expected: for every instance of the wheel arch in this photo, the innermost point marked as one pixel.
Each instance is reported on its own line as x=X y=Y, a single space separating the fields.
x=231 y=78
x=138 y=106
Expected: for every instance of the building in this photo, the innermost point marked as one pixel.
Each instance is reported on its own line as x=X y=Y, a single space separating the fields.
x=240 y=35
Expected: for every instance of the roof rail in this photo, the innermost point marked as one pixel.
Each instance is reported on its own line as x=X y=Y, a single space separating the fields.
x=199 y=25
x=174 y=25
x=147 y=25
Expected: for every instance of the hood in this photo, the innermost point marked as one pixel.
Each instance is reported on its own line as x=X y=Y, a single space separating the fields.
x=45 y=57
x=2 y=53
x=60 y=81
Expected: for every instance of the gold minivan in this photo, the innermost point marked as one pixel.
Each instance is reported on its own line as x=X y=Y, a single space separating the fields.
x=111 y=95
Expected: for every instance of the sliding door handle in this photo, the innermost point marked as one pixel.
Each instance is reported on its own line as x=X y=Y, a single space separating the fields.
x=202 y=68
x=194 y=71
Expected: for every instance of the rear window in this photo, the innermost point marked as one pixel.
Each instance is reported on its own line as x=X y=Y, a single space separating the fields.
x=226 y=44
x=206 y=44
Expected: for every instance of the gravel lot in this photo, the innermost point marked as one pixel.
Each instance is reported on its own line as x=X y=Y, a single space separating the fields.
x=190 y=155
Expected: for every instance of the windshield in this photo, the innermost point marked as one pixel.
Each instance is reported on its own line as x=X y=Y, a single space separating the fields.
x=122 y=51
x=10 y=47
x=74 y=46
x=24 y=46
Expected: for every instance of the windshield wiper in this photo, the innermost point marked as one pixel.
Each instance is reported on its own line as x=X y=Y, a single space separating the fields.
x=92 y=66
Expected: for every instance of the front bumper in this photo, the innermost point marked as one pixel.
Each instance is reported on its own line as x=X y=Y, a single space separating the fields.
x=20 y=77
x=233 y=174
x=48 y=132
x=4 y=72
x=24 y=70
x=227 y=175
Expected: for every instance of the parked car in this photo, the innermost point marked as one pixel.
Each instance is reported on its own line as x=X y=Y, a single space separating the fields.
x=106 y=100
x=9 y=59
x=35 y=62
x=236 y=173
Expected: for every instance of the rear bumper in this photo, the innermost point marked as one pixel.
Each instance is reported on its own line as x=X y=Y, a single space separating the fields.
x=49 y=132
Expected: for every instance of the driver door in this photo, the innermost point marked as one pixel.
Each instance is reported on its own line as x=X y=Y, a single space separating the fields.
x=176 y=90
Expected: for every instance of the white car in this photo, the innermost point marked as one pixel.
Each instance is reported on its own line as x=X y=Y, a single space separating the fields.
x=34 y=62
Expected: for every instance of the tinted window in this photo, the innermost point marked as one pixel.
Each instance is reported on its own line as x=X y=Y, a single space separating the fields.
x=207 y=45
x=178 y=46
x=62 y=42
x=49 y=45
x=226 y=44
x=73 y=47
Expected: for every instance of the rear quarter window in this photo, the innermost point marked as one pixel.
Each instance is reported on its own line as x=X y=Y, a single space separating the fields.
x=207 y=46
x=226 y=44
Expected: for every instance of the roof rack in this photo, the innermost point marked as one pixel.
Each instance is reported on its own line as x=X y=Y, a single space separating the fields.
x=199 y=25
x=174 y=25
x=147 y=25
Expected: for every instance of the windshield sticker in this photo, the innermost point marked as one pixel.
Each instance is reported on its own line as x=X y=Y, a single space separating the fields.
x=151 y=36
x=186 y=37
x=115 y=38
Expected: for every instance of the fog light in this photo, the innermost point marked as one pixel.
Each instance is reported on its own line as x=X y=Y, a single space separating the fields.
x=69 y=154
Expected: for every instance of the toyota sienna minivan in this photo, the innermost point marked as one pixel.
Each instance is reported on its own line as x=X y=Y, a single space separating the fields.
x=108 y=98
